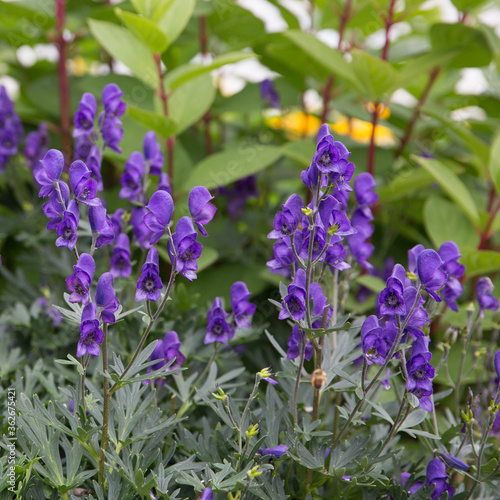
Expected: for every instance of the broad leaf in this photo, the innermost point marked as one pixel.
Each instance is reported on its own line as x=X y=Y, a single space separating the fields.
x=479 y=262
x=163 y=125
x=494 y=163
x=175 y=18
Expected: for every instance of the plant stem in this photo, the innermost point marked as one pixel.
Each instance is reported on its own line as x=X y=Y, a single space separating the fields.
x=60 y=8
x=299 y=373
x=485 y=235
x=247 y=406
x=85 y=364
x=397 y=422
x=107 y=397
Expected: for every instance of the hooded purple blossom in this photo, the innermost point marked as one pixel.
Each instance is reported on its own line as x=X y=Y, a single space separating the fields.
x=101 y=225
x=360 y=248
x=413 y=254
x=454 y=462
x=152 y=153
x=36 y=146
x=112 y=131
x=437 y=476
x=54 y=208
x=450 y=254
x=111 y=99
x=149 y=284
x=268 y=94
x=430 y=273
x=391 y=298
x=131 y=179
x=93 y=162
x=484 y=292
x=11 y=129
x=218 y=329
x=238 y=194
x=66 y=229
x=164 y=183
x=335 y=255
x=84 y=188
x=105 y=298
x=343 y=176
x=363 y=189
x=420 y=373
x=50 y=172
x=120 y=262
x=186 y=248
x=117 y=221
x=295 y=341
x=90 y=333
x=161 y=206
x=242 y=308
x=375 y=348
x=294 y=304
x=329 y=153
x=207 y=494
x=85 y=116
x=79 y=282
x=276 y=451
x=200 y=209
x=283 y=258
x=141 y=232
x=165 y=351
x=286 y=221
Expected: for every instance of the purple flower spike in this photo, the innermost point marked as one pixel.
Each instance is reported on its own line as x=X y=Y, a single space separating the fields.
x=207 y=494
x=242 y=308
x=90 y=334
x=152 y=153
x=391 y=298
x=218 y=330
x=79 y=282
x=430 y=273
x=186 y=248
x=66 y=230
x=363 y=189
x=83 y=186
x=105 y=298
x=120 y=263
x=52 y=167
x=200 y=209
x=161 y=206
x=276 y=451
x=484 y=290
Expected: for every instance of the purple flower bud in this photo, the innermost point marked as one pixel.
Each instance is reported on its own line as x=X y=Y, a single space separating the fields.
x=84 y=188
x=79 y=282
x=269 y=95
x=484 y=290
x=200 y=209
x=165 y=351
x=218 y=329
x=242 y=308
x=50 y=172
x=454 y=462
x=66 y=230
x=161 y=206
x=207 y=494
x=105 y=298
x=120 y=263
x=295 y=341
x=90 y=333
x=152 y=153
x=363 y=189
x=276 y=451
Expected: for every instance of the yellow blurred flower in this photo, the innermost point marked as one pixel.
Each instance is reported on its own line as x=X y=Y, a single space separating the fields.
x=297 y=124
x=78 y=66
x=382 y=110
x=361 y=131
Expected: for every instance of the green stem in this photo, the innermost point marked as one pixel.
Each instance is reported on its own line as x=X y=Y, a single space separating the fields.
x=299 y=373
x=105 y=415
x=243 y=415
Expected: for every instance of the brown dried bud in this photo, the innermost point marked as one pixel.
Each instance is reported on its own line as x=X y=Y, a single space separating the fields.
x=318 y=379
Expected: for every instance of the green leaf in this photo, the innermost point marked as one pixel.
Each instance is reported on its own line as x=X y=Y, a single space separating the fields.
x=128 y=49
x=467 y=5
x=474 y=50
x=416 y=66
x=145 y=30
x=190 y=101
x=228 y=166
x=152 y=9
x=376 y=77
x=480 y=261
x=443 y=222
x=175 y=18
x=162 y=125
x=186 y=72
x=452 y=185
x=494 y=163
x=300 y=151
x=371 y=282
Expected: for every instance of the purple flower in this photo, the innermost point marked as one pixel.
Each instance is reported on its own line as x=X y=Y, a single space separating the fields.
x=164 y=183
x=268 y=94
x=66 y=229
x=496 y=362
x=50 y=172
x=120 y=263
x=484 y=290
x=451 y=292
x=329 y=153
x=141 y=232
x=161 y=206
x=450 y=254
x=237 y=195
x=93 y=162
x=294 y=304
x=343 y=176
x=79 y=282
x=36 y=145
x=186 y=248
x=131 y=180
x=101 y=225
x=111 y=99
x=149 y=284
x=200 y=209
x=391 y=298
x=90 y=334
x=420 y=373
x=82 y=147
x=286 y=221
x=105 y=298
x=117 y=221
x=360 y=248
x=85 y=116
x=49 y=310
x=152 y=153
x=454 y=462
x=295 y=341
x=430 y=272
x=283 y=258
x=165 y=351
x=276 y=451
x=207 y=494
x=111 y=130
x=437 y=476
x=335 y=255
x=363 y=189
x=84 y=188
x=242 y=308
x=375 y=348
x=218 y=330
x=413 y=488
x=54 y=208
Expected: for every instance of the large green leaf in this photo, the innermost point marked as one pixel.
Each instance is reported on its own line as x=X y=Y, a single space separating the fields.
x=494 y=163
x=467 y=5
x=474 y=49
x=152 y=9
x=186 y=72
x=163 y=125
x=190 y=101
x=377 y=77
x=128 y=49
x=228 y=166
x=145 y=30
x=480 y=261
x=300 y=151
x=452 y=185
x=444 y=222
x=404 y=184
x=175 y=18
x=416 y=66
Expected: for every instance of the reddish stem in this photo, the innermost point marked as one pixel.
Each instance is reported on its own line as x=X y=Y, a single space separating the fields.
x=416 y=112
x=206 y=117
x=63 y=79
x=169 y=141
x=485 y=235
x=388 y=23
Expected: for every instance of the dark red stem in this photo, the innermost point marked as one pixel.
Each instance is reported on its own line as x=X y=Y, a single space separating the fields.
x=169 y=141
x=63 y=80
x=416 y=112
x=206 y=117
x=388 y=23
x=485 y=235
